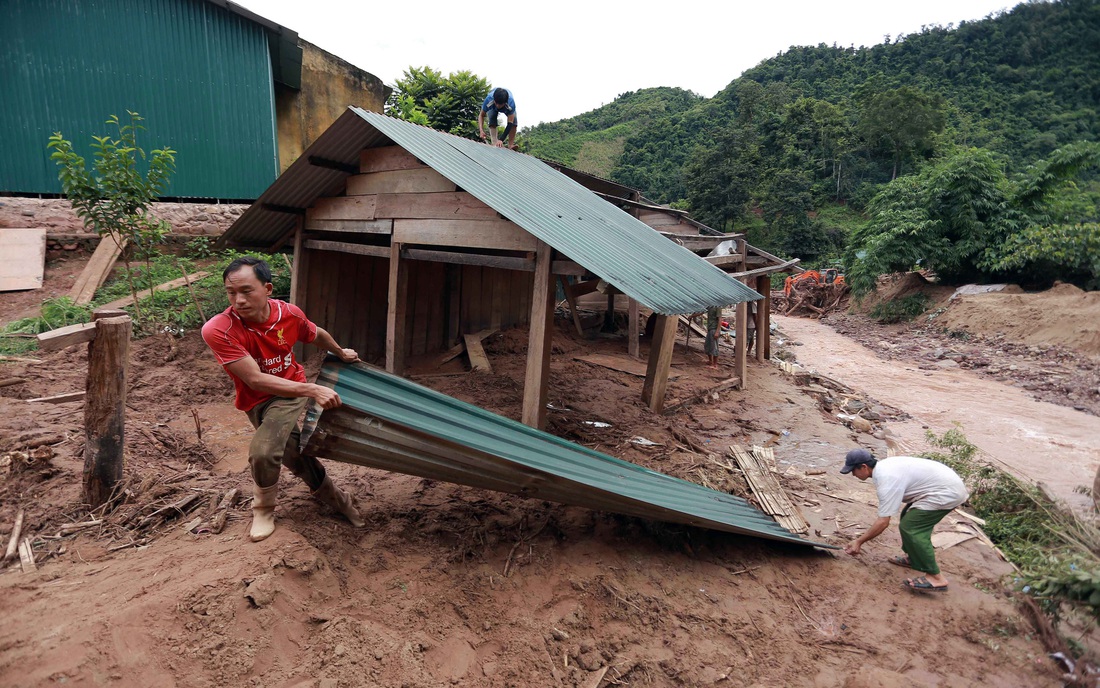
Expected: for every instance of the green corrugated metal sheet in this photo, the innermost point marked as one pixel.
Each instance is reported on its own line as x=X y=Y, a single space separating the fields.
x=390 y=423
x=199 y=74
x=612 y=244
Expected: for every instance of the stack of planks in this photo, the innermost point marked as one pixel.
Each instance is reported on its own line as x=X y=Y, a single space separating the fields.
x=95 y=272
x=759 y=469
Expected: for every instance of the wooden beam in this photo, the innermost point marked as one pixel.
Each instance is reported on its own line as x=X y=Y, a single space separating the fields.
x=442 y=205
x=297 y=269
x=632 y=327
x=146 y=293
x=538 y=343
x=586 y=287
x=343 y=208
x=503 y=262
x=424 y=180
x=723 y=385
x=354 y=226
x=345 y=247
x=694 y=241
x=66 y=336
x=476 y=352
x=767 y=340
x=660 y=360
x=105 y=409
x=769 y=257
x=740 y=355
x=765 y=270
x=493 y=234
x=318 y=161
x=571 y=299
x=763 y=286
x=386 y=158
x=568 y=267
x=60 y=398
x=95 y=272
x=395 y=312
x=287 y=209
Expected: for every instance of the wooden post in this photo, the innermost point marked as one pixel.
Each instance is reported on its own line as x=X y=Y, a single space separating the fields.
x=740 y=355
x=298 y=270
x=660 y=360
x=395 y=312
x=538 y=343
x=105 y=406
x=609 y=314
x=571 y=299
x=632 y=328
x=763 y=334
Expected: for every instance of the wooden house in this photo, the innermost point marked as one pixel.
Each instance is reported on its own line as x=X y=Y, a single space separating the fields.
x=407 y=240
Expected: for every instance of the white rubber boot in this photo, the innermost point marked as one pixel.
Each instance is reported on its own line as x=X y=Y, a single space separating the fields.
x=339 y=500
x=263 y=511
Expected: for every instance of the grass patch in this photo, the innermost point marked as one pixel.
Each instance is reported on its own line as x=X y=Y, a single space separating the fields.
x=1057 y=553
x=900 y=310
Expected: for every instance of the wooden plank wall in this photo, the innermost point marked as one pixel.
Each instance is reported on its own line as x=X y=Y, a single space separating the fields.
x=398 y=195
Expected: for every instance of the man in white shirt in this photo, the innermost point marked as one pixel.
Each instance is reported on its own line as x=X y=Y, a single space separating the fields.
x=929 y=490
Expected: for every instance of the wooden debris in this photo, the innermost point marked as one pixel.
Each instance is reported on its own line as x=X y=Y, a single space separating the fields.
x=61 y=398
x=597 y=678
x=95 y=272
x=8 y=382
x=948 y=539
x=70 y=528
x=756 y=465
x=26 y=556
x=176 y=508
x=723 y=385
x=66 y=336
x=186 y=280
x=970 y=517
x=19 y=359
x=217 y=524
x=478 y=359
x=623 y=364
x=13 y=541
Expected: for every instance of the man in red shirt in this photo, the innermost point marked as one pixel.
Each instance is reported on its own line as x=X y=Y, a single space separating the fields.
x=253 y=340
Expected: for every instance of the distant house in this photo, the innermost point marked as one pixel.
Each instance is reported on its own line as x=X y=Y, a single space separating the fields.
x=237 y=96
x=407 y=239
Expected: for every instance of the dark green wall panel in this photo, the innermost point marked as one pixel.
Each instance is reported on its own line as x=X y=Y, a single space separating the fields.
x=198 y=74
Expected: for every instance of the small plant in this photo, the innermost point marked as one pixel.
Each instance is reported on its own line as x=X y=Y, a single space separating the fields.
x=114 y=199
x=200 y=247
x=900 y=310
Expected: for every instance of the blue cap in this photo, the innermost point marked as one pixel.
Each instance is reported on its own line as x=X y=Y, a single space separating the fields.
x=856 y=457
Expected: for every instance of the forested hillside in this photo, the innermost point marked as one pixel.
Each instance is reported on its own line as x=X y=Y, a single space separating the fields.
x=796 y=149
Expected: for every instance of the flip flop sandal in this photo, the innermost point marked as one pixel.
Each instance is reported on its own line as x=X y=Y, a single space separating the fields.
x=900 y=561
x=921 y=584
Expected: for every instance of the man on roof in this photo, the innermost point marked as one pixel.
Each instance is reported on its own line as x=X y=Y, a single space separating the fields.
x=253 y=341
x=498 y=102
x=928 y=489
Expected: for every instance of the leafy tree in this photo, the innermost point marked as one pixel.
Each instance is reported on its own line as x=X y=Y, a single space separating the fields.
x=115 y=198
x=449 y=104
x=903 y=121
x=966 y=220
x=722 y=178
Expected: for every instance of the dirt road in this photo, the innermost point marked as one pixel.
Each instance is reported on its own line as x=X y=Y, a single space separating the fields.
x=1037 y=440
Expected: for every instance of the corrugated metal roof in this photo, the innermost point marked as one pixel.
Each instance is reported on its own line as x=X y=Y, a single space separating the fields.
x=393 y=424
x=614 y=245
x=619 y=248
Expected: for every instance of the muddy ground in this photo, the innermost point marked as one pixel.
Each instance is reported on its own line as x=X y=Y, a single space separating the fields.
x=448 y=585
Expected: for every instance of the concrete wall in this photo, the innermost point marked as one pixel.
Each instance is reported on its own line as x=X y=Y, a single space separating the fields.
x=329 y=86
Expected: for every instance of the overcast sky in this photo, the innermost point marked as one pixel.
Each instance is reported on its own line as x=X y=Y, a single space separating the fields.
x=565 y=57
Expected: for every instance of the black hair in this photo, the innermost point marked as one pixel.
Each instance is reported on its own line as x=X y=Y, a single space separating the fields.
x=500 y=96
x=871 y=463
x=259 y=267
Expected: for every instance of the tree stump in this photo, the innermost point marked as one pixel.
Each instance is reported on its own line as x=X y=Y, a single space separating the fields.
x=105 y=407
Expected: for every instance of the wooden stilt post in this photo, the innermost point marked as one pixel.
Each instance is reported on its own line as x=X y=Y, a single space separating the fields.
x=297 y=270
x=571 y=299
x=740 y=355
x=105 y=406
x=632 y=328
x=538 y=343
x=609 y=314
x=763 y=335
x=660 y=360
x=395 y=312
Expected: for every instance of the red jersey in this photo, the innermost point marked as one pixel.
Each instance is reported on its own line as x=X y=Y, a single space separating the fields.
x=269 y=343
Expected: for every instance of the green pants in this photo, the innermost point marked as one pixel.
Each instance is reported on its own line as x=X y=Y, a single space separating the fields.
x=275 y=444
x=916 y=537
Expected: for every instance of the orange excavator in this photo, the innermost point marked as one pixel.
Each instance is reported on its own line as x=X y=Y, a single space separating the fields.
x=829 y=276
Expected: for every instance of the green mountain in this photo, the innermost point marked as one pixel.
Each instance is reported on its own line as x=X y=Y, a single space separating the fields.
x=796 y=148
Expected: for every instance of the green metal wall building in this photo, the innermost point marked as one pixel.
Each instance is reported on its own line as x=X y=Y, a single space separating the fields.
x=201 y=72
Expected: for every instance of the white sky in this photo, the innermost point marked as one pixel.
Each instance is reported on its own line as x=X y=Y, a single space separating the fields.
x=565 y=57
